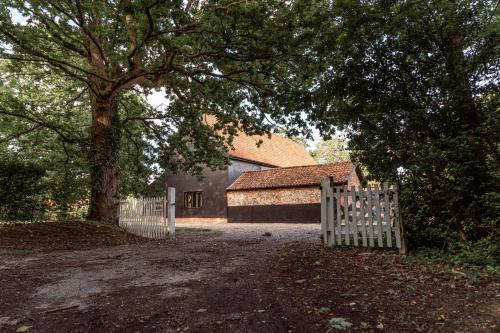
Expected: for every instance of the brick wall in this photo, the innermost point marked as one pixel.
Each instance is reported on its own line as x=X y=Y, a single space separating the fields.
x=275 y=196
x=286 y=205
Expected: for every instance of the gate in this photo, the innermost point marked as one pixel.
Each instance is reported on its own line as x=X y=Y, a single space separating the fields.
x=361 y=216
x=149 y=217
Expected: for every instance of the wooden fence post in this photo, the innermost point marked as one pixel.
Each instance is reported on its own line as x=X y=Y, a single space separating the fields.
x=171 y=211
x=330 y=217
x=324 y=186
x=403 y=249
x=327 y=210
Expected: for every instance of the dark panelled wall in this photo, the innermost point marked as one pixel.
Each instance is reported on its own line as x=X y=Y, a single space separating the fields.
x=299 y=213
x=213 y=186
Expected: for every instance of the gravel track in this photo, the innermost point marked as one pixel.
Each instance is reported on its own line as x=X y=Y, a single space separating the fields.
x=279 y=231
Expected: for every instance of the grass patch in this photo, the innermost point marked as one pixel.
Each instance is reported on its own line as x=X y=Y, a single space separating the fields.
x=15 y=250
x=185 y=231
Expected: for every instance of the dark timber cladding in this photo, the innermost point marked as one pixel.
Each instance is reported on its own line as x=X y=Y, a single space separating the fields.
x=298 y=213
x=200 y=199
x=206 y=198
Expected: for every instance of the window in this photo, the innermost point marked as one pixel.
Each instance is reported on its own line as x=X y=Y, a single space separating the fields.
x=193 y=199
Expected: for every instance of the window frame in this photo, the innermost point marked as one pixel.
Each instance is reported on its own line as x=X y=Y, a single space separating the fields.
x=196 y=199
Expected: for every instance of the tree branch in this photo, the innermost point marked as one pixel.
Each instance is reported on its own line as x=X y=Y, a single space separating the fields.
x=82 y=25
x=42 y=123
x=19 y=134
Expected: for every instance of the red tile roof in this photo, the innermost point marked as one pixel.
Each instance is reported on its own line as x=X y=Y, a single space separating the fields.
x=274 y=150
x=309 y=175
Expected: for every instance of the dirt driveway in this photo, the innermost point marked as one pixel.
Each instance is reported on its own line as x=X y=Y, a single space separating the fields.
x=244 y=280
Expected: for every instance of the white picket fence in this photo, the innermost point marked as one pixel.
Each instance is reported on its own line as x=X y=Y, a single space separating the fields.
x=357 y=216
x=149 y=217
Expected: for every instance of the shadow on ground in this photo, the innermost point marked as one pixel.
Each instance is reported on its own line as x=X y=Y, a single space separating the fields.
x=230 y=282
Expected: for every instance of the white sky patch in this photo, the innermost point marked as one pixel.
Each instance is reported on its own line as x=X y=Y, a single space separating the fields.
x=315 y=138
x=157 y=99
x=17 y=17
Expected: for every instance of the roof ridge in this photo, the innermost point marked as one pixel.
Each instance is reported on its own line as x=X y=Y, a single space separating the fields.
x=275 y=148
x=299 y=166
x=305 y=175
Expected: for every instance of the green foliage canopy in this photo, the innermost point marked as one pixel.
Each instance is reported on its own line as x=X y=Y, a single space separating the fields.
x=230 y=59
x=221 y=57
x=415 y=85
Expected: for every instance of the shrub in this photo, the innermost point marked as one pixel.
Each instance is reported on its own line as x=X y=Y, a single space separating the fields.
x=21 y=190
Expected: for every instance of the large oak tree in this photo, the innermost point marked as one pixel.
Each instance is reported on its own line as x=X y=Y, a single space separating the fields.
x=44 y=121
x=227 y=58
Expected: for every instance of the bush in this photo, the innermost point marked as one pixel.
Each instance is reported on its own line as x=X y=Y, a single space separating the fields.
x=445 y=215
x=21 y=190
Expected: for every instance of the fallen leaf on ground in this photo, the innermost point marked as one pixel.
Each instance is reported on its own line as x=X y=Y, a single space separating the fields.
x=23 y=328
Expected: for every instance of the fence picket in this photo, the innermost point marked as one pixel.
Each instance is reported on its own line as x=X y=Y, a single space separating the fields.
x=150 y=219
x=157 y=218
x=146 y=218
x=329 y=215
x=354 y=215
x=346 y=215
x=387 y=216
x=370 y=217
x=362 y=211
x=171 y=211
x=397 y=228
x=378 y=217
x=154 y=218
x=165 y=207
x=338 y=225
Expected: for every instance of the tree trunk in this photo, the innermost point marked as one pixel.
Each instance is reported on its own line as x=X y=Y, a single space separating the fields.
x=103 y=159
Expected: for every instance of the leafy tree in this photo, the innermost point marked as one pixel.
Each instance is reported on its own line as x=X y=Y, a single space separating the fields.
x=226 y=58
x=415 y=84
x=44 y=121
x=331 y=151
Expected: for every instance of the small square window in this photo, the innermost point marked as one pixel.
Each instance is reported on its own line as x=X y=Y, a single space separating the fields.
x=193 y=199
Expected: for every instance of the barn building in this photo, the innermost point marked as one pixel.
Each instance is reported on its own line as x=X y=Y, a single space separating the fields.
x=289 y=194
x=277 y=181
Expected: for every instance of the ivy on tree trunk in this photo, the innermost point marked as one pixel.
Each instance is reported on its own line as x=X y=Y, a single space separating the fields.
x=105 y=136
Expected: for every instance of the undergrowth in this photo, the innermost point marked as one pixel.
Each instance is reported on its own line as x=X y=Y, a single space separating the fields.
x=477 y=261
